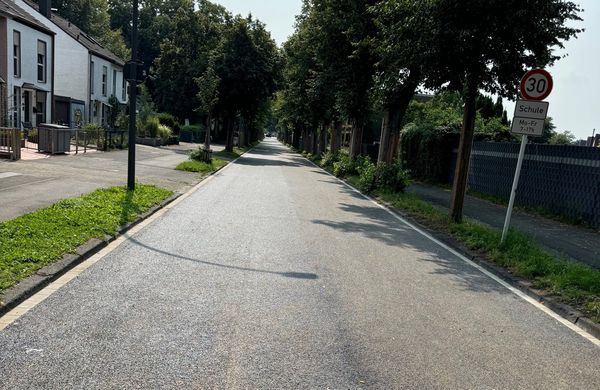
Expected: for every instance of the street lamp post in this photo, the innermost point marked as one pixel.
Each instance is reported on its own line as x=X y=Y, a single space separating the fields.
x=132 y=71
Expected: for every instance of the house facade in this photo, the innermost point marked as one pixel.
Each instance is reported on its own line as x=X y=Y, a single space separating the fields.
x=87 y=74
x=26 y=68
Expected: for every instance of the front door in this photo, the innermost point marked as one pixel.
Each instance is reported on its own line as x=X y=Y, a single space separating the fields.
x=27 y=109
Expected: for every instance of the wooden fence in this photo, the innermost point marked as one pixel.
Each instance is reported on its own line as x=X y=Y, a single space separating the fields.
x=10 y=143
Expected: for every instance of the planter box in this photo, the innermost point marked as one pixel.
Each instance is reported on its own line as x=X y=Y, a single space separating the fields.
x=149 y=141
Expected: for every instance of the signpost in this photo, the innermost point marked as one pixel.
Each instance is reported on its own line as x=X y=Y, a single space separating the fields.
x=530 y=116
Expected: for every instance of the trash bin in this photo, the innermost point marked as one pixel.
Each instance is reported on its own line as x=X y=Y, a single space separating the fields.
x=54 y=138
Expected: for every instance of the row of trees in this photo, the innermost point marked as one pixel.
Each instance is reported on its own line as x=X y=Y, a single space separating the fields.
x=350 y=58
x=204 y=64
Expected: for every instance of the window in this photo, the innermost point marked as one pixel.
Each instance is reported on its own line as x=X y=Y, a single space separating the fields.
x=40 y=107
x=104 y=77
x=92 y=77
x=17 y=53
x=124 y=91
x=114 y=90
x=41 y=62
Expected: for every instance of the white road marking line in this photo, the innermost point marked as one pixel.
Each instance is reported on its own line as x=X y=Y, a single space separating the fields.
x=484 y=271
x=47 y=291
x=4 y=175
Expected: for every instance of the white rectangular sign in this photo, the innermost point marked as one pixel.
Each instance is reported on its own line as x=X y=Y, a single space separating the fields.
x=530 y=109
x=527 y=126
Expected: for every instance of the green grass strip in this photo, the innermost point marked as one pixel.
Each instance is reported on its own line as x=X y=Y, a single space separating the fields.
x=31 y=241
x=201 y=167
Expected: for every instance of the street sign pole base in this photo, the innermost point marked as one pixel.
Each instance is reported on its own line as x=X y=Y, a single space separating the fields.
x=515 y=185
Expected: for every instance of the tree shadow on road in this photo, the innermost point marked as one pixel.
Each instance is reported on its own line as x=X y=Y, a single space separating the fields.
x=374 y=223
x=291 y=274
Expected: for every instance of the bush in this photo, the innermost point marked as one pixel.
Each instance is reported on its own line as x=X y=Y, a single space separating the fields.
x=170 y=121
x=390 y=177
x=343 y=166
x=329 y=159
x=192 y=133
x=151 y=127
x=367 y=176
x=164 y=132
x=201 y=154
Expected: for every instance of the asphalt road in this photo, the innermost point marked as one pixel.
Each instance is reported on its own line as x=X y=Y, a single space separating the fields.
x=274 y=275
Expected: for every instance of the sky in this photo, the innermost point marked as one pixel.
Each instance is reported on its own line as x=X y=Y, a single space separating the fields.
x=575 y=100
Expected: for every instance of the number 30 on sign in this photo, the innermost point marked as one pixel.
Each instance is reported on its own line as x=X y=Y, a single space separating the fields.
x=536 y=85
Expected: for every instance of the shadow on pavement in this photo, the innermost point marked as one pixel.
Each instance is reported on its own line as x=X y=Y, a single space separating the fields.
x=376 y=224
x=294 y=275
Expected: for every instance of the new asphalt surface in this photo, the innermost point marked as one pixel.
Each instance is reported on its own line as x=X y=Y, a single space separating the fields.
x=274 y=275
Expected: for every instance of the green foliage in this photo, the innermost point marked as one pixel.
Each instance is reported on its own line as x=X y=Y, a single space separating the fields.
x=29 y=242
x=114 y=112
x=195 y=131
x=122 y=122
x=92 y=16
x=343 y=166
x=145 y=106
x=167 y=119
x=164 y=132
x=382 y=176
x=427 y=152
x=564 y=138
x=201 y=167
x=151 y=127
x=201 y=154
x=329 y=159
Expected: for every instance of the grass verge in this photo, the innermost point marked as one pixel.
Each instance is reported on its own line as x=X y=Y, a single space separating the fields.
x=201 y=167
x=32 y=241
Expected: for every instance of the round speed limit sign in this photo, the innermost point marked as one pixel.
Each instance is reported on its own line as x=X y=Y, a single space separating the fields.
x=536 y=85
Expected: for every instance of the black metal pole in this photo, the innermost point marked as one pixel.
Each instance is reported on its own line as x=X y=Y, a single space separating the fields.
x=132 y=100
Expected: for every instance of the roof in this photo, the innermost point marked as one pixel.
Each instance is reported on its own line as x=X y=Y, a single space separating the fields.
x=9 y=7
x=80 y=36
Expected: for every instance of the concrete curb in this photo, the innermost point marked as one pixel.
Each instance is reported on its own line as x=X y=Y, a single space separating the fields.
x=15 y=295
x=566 y=311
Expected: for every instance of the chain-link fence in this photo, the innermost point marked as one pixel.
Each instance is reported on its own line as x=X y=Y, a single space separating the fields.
x=563 y=180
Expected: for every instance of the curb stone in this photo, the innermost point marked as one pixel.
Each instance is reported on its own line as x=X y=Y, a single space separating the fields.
x=27 y=287
x=566 y=311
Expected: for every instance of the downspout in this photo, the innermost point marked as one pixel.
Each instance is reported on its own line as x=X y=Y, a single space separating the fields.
x=53 y=102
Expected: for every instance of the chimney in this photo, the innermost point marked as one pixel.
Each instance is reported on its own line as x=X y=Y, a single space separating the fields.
x=46 y=8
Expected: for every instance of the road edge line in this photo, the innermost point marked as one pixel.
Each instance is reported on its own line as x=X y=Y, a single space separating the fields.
x=573 y=326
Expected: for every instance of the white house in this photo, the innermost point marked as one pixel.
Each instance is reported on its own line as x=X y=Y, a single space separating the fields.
x=87 y=74
x=26 y=68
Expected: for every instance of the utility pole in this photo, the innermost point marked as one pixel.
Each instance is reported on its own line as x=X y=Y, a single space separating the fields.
x=132 y=99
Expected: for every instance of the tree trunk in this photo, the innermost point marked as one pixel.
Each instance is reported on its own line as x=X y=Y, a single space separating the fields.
x=208 y=128
x=461 y=174
x=228 y=124
x=296 y=138
x=305 y=140
x=336 y=130
x=390 y=128
x=356 y=138
x=314 y=144
x=323 y=140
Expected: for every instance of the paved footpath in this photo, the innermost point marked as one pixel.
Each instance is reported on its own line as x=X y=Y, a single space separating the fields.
x=26 y=186
x=571 y=242
x=274 y=275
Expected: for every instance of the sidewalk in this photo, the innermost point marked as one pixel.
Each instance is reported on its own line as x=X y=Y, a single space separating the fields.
x=26 y=186
x=573 y=242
